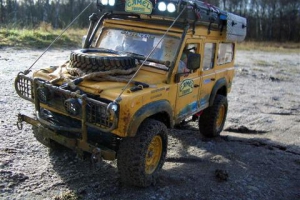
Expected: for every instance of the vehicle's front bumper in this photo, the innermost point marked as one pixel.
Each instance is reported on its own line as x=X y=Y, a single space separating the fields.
x=93 y=114
x=79 y=145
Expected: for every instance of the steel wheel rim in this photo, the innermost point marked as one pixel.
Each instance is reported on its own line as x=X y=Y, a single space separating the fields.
x=153 y=154
x=221 y=115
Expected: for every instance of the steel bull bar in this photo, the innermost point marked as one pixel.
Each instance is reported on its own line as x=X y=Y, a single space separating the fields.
x=50 y=131
x=78 y=145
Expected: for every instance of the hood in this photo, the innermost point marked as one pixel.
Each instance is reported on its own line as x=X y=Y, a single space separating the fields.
x=147 y=77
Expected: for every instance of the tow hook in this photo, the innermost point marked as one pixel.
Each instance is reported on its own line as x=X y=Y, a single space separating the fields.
x=19 y=122
x=96 y=157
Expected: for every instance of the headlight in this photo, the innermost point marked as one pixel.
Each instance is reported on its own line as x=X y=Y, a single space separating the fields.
x=162 y=6
x=112 y=108
x=43 y=94
x=171 y=7
x=72 y=106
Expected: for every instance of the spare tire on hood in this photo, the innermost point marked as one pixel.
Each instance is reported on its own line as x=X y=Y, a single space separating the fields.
x=95 y=60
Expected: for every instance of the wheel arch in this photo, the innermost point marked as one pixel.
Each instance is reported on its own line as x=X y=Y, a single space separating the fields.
x=220 y=87
x=159 y=110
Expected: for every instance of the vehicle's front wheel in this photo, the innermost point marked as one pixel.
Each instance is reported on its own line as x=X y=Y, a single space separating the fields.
x=212 y=120
x=140 y=158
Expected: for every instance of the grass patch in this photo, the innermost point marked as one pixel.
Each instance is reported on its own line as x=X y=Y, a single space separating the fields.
x=69 y=195
x=40 y=37
x=270 y=47
x=258 y=69
x=263 y=63
x=44 y=34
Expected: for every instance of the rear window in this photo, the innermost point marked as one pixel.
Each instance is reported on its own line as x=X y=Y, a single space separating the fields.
x=209 y=56
x=225 y=53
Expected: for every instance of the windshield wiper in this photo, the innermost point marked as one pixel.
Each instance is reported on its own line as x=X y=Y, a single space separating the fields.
x=136 y=55
x=143 y=57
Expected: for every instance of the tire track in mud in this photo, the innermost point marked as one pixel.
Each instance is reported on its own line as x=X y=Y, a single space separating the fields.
x=260 y=143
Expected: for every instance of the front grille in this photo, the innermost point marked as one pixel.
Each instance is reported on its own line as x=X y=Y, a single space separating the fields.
x=24 y=87
x=96 y=113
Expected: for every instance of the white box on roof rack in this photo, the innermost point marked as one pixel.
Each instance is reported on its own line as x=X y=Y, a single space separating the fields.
x=236 y=28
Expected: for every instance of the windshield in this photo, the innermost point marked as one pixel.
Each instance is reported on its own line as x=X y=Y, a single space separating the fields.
x=140 y=43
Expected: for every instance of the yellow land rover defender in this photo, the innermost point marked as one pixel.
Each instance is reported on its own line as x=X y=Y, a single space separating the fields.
x=145 y=66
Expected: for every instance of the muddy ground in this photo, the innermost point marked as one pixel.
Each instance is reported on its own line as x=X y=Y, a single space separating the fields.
x=259 y=149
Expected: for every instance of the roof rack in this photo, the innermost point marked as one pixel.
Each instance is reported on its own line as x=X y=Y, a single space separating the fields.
x=196 y=12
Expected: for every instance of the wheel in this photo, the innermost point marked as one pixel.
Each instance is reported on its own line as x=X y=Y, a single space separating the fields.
x=141 y=158
x=212 y=120
x=94 y=60
x=45 y=141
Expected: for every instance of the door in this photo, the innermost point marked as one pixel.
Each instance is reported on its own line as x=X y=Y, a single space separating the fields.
x=208 y=75
x=188 y=84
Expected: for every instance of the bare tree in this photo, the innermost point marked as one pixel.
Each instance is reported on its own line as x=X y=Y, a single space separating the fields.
x=271 y=20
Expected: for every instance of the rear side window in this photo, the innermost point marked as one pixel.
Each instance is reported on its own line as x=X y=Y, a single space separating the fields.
x=225 y=53
x=209 y=56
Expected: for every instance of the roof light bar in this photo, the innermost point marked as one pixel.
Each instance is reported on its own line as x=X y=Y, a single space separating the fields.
x=108 y=2
x=162 y=6
x=171 y=7
x=111 y=2
x=104 y=2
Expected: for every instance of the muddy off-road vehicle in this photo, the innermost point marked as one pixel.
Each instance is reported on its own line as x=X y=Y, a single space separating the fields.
x=145 y=66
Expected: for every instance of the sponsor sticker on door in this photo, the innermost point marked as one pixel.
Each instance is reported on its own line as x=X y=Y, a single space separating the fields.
x=186 y=87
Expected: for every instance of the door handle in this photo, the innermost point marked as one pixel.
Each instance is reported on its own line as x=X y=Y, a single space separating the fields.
x=196 y=85
x=212 y=79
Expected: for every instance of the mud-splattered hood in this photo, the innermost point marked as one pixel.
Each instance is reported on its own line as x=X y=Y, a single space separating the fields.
x=146 y=78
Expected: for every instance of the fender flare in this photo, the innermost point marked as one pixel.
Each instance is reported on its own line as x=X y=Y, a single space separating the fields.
x=219 y=84
x=161 y=106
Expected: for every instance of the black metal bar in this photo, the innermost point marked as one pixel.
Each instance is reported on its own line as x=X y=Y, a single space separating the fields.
x=56 y=127
x=177 y=53
x=96 y=28
x=83 y=121
x=93 y=18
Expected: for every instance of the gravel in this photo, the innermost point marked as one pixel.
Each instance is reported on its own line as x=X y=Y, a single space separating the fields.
x=257 y=156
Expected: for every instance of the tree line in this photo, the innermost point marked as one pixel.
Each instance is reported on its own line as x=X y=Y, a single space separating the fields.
x=268 y=20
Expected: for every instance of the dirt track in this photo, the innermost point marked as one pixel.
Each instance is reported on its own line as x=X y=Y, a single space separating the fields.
x=259 y=149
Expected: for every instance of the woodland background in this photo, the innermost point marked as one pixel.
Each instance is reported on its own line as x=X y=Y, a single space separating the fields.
x=268 y=20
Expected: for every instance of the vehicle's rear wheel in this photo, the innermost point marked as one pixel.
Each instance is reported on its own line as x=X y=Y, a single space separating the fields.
x=95 y=60
x=212 y=120
x=140 y=158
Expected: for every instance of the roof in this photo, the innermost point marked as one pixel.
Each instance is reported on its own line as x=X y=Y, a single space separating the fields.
x=189 y=11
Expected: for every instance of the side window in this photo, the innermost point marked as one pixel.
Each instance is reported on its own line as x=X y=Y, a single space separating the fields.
x=225 y=53
x=190 y=48
x=209 y=56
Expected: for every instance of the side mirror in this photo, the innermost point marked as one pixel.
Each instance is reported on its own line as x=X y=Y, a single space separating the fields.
x=193 y=62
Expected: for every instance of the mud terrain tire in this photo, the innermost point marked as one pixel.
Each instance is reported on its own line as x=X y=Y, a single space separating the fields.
x=140 y=158
x=95 y=60
x=212 y=120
